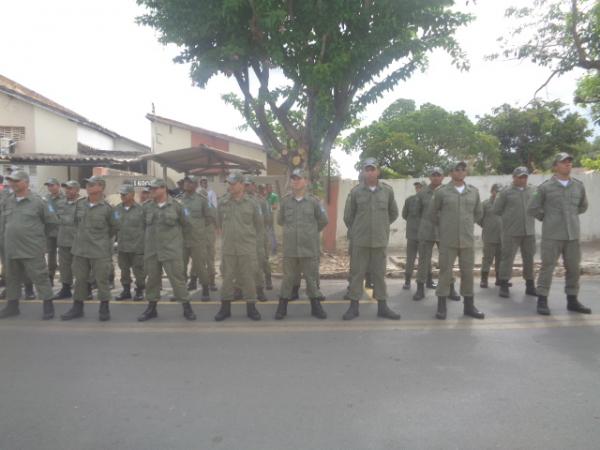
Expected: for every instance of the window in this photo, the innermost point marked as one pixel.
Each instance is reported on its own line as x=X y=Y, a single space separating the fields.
x=13 y=133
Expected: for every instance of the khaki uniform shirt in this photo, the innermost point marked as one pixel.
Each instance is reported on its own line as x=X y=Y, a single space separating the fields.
x=197 y=211
x=131 y=227
x=241 y=222
x=558 y=208
x=67 y=227
x=25 y=226
x=428 y=231
x=302 y=221
x=96 y=228
x=490 y=223
x=511 y=204
x=369 y=213
x=164 y=230
x=410 y=213
x=455 y=215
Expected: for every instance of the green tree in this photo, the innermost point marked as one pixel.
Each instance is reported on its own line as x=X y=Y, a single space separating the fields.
x=532 y=135
x=305 y=69
x=407 y=141
x=560 y=35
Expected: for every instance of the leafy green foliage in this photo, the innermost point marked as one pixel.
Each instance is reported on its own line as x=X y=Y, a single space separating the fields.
x=305 y=69
x=560 y=35
x=532 y=135
x=408 y=141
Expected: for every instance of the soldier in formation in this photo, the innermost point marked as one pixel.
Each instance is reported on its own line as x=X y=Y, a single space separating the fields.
x=302 y=217
x=491 y=235
x=410 y=213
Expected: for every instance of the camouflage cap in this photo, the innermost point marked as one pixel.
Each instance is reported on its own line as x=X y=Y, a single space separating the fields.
x=370 y=162
x=436 y=171
x=71 y=184
x=248 y=179
x=300 y=173
x=18 y=175
x=146 y=188
x=418 y=183
x=51 y=180
x=562 y=156
x=157 y=183
x=235 y=177
x=95 y=180
x=203 y=178
x=520 y=171
x=126 y=189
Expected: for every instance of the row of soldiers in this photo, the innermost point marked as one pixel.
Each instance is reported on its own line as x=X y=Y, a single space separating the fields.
x=447 y=215
x=436 y=215
x=157 y=234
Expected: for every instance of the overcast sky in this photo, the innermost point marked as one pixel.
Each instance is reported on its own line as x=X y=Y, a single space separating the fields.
x=91 y=57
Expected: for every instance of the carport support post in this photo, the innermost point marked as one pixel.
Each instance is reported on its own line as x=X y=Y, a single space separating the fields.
x=164 y=173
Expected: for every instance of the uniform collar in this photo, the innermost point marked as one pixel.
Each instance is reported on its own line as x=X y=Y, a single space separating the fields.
x=367 y=188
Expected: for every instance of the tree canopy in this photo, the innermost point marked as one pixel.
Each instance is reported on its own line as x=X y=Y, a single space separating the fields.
x=532 y=135
x=305 y=69
x=408 y=141
x=561 y=35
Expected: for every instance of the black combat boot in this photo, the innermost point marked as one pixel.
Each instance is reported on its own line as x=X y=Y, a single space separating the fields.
x=260 y=294
x=420 y=294
x=316 y=309
x=352 y=311
x=75 y=312
x=48 y=310
x=205 y=293
x=11 y=309
x=504 y=291
x=384 y=311
x=251 y=311
x=224 y=312
x=574 y=305
x=470 y=310
x=103 y=312
x=139 y=294
x=429 y=284
x=441 y=309
x=542 y=305
x=149 y=313
x=125 y=293
x=295 y=292
x=530 y=288
x=268 y=282
x=188 y=312
x=281 y=309
x=64 y=293
x=193 y=284
x=406 y=285
x=29 y=293
x=484 y=280
x=453 y=294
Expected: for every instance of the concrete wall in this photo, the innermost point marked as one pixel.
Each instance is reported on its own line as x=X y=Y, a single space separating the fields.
x=15 y=113
x=590 y=223
x=95 y=139
x=54 y=133
x=164 y=139
x=249 y=152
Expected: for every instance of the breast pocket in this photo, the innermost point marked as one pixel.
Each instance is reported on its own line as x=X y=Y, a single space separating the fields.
x=168 y=218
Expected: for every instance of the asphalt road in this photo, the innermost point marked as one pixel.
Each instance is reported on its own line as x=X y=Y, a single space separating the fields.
x=514 y=380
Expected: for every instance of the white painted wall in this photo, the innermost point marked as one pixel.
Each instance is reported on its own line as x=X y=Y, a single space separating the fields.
x=249 y=152
x=590 y=221
x=54 y=133
x=164 y=139
x=95 y=139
